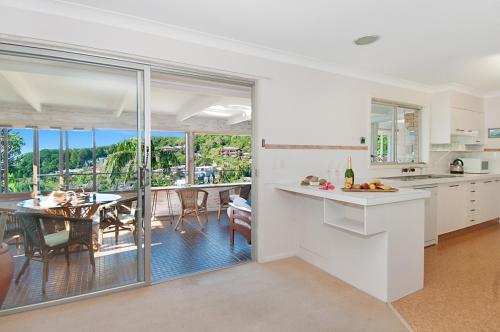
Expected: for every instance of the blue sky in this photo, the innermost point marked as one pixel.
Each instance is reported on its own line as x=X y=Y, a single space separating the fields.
x=49 y=139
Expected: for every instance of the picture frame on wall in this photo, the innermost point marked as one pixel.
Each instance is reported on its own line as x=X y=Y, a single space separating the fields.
x=493 y=132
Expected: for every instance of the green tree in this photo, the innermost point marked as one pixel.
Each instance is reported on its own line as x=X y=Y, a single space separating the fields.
x=122 y=159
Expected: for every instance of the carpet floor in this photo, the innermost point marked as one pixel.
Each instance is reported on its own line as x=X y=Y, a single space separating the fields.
x=287 y=295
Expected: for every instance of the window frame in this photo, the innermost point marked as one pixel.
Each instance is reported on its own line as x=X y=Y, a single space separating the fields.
x=396 y=105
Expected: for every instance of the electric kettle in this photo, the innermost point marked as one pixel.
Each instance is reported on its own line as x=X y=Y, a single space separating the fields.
x=457 y=167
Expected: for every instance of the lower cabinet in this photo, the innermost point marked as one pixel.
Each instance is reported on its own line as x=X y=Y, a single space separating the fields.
x=451 y=212
x=468 y=203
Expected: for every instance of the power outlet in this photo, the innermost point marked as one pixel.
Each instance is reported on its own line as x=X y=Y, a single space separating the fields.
x=362 y=140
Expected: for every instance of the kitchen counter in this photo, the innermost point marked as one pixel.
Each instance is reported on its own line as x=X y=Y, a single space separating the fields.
x=360 y=198
x=370 y=240
x=454 y=179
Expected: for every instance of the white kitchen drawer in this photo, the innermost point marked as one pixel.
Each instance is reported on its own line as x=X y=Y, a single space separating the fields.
x=472 y=204
x=472 y=210
x=473 y=194
x=472 y=220
x=473 y=186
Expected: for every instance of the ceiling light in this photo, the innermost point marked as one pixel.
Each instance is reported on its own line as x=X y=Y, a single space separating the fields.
x=366 y=40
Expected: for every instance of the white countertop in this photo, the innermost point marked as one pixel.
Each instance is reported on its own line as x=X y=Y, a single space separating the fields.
x=359 y=198
x=454 y=179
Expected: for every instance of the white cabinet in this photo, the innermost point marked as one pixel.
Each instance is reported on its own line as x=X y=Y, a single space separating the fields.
x=430 y=225
x=453 y=113
x=451 y=209
x=465 y=204
x=482 y=201
x=475 y=203
x=487 y=201
x=468 y=123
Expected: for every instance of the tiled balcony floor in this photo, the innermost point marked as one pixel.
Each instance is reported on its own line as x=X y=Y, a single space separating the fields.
x=174 y=254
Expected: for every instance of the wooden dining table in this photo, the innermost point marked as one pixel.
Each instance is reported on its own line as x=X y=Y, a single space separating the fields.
x=83 y=208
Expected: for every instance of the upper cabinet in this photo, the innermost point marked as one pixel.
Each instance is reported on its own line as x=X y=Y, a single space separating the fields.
x=456 y=117
x=467 y=123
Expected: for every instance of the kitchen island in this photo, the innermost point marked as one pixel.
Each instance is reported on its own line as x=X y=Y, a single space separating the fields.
x=372 y=241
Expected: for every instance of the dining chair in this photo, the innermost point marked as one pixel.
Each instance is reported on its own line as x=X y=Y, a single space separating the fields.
x=225 y=199
x=240 y=220
x=13 y=229
x=245 y=191
x=118 y=216
x=192 y=205
x=41 y=245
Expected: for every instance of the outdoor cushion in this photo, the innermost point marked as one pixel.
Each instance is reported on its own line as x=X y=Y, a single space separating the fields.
x=241 y=202
x=126 y=218
x=56 y=239
x=242 y=223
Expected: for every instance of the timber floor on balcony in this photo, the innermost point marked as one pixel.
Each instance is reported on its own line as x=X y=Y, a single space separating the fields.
x=173 y=254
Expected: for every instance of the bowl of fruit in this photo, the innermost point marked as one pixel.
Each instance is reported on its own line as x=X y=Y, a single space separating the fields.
x=374 y=186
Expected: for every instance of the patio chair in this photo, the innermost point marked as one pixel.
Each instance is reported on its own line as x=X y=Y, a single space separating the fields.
x=120 y=216
x=42 y=246
x=191 y=204
x=14 y=229
x=240 y=220
x=245 y=191
x=225 y=199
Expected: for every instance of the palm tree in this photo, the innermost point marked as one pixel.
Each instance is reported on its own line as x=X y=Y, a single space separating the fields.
x=122 y=159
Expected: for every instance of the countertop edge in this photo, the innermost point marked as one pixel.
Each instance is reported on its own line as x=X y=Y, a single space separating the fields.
x=365 y=199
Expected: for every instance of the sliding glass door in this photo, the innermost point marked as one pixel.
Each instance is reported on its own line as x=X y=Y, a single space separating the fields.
x=74 y=179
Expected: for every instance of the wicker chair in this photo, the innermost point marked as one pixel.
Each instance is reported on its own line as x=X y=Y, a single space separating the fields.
x=42 y=246
x=245 y=191
x=120 y=216
x=225 y=199
x=14 y=229
x=191 y=204
x=240 y=220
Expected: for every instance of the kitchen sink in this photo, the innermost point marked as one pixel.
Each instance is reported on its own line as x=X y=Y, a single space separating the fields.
x=421 y=177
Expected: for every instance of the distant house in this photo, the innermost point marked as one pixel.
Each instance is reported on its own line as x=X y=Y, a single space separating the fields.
x=168 y=148
x=229 y=151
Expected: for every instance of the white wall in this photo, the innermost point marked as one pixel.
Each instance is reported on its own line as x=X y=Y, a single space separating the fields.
x=294 y=105
x=492 y=120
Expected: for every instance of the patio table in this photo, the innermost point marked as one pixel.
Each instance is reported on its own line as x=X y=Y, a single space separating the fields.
x=84 y=210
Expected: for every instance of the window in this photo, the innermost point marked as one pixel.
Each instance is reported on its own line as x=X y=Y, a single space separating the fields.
x=222 y=158
x=168 y=158
x=394 y=133
x=116 y=159
x=16 y=159
x=51 y=159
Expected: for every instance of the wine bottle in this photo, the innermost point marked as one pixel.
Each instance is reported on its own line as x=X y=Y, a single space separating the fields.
x=349 y=175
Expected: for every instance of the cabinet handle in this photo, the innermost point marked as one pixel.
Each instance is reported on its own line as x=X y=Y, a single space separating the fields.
x=472 y=200
x=459 y=129
x=472 y=210
x=472 y=191
x=453 y=185
x=488 y=181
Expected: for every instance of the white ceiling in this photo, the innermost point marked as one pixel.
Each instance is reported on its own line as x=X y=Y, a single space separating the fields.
x=430 y=42
x=44 y=85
